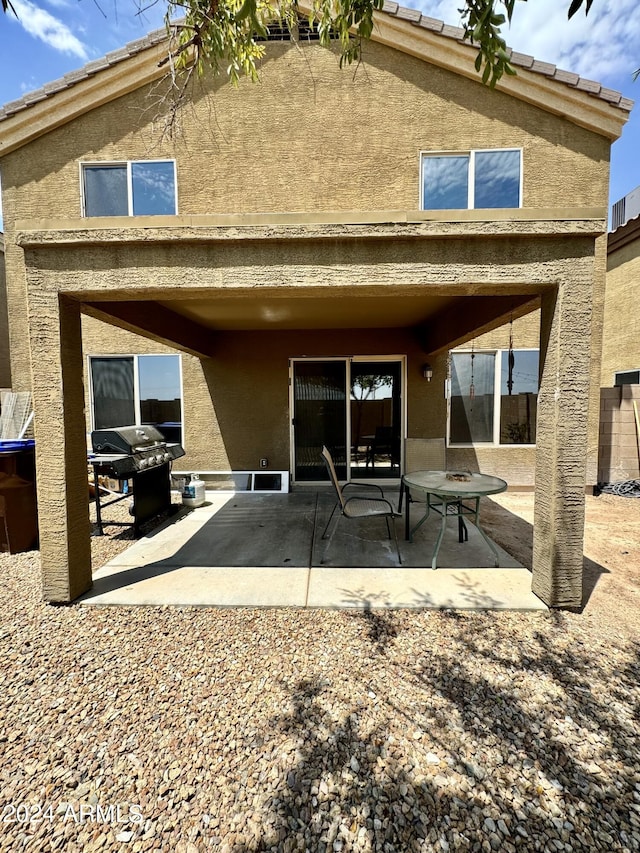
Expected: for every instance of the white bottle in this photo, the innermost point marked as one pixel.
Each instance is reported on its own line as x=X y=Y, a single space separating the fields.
x=193 y=492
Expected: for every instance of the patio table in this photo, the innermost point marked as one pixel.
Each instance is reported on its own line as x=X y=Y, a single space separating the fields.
x=445 y=493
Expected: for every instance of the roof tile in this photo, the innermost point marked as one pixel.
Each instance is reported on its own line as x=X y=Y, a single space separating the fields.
x=75 y=76
x=14 y=106
x=452 y=32
x=55 y=86
x=567 y=77
x=610 y=95
x=156 y=36
x=431 y=24
x=545 y=68
x=408 y=14
x=522 y=59
x=34 y=97
x=589 y=86
x=117 y=56
x=96 y=65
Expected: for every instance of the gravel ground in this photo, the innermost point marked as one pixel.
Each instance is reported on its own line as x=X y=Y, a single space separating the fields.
x=251 y=730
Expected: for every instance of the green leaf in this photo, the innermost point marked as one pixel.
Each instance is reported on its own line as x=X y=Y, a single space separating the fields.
x=575 y=5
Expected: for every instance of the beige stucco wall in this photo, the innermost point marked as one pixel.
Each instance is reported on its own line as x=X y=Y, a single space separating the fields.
x=618 y=442
x=236 y=404
x=309 y=137
x=621 y=340
x=230 y=401
x=5 y=358
x=554 y=259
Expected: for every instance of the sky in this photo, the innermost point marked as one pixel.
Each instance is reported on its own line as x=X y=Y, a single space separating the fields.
x=52 y=37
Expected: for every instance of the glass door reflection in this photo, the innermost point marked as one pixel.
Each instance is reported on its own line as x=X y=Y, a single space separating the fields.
x=376 y=423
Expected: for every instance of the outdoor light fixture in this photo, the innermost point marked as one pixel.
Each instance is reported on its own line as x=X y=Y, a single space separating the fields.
x=427 y=372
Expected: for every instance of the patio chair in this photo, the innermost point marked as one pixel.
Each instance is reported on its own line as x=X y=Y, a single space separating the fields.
x=358 y=506
x=428 y=454
x=385 y=444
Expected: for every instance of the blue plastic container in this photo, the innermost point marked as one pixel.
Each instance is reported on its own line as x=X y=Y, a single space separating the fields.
x=13 y=445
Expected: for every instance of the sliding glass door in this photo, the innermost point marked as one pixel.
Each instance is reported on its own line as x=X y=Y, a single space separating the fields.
x=354 y=406
x=319 y=417
x=376 y=419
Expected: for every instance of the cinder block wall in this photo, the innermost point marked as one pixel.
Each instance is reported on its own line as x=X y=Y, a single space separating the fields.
x=619 y=455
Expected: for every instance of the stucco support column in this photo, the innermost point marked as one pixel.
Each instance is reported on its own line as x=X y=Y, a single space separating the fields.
x=561 y=444
x=61 y=446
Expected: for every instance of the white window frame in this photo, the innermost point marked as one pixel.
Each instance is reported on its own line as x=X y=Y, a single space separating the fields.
x=106 y=164
x=136 y=382
x=471 y=154
x=497 y=377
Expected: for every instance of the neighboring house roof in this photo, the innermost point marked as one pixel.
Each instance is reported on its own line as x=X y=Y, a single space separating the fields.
x=626 y=233
x=582 y=101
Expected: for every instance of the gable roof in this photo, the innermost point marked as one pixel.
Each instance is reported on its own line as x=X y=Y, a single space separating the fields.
x=583 y=102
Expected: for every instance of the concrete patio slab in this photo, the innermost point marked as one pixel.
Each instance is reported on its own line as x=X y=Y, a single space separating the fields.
x=457 y=589
x=195 y=586
x=266 y=551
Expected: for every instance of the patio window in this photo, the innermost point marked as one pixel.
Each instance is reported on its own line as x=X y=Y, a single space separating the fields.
x=137 y=188
x=474 y=179
x=493 y=397
x=137 y=389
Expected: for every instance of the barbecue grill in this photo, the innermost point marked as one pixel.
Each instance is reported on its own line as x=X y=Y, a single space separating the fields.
x=140 y=455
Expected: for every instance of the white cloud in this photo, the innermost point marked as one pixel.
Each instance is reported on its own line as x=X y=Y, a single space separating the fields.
x=601 y=45
x=42 y=25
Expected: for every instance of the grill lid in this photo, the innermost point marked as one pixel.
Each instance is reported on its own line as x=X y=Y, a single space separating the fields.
x=127 y=439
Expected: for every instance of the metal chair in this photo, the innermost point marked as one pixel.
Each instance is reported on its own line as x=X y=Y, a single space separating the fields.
x=386 y=443
x=427 y=454
x=357 y=506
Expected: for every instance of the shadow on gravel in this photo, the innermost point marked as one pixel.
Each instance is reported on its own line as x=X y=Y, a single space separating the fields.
x=381 y=625
x=485 y=763
x=515 y=535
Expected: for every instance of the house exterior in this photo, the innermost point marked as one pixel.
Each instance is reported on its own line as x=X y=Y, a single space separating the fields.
x=619 y=458
x=302 y=239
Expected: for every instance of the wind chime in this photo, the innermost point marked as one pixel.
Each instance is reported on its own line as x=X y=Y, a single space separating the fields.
x=511 y=360
x=472 y=388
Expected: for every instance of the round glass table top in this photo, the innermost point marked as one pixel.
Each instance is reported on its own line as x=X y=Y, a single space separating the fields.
x=454 y=483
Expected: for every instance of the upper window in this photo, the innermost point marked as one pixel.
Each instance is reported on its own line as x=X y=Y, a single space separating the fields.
x=137 y=389
x=493 y=397
x=476 y=179
x=138 y=188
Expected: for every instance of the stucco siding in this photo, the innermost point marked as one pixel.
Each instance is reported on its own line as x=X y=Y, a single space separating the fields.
x=621 y=343
x=306 y=187
x=5 y=357
x=237 y=407
x=310 y=136
x=236 y=402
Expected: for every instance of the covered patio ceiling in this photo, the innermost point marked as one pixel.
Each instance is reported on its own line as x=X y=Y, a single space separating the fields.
x=190 y=321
